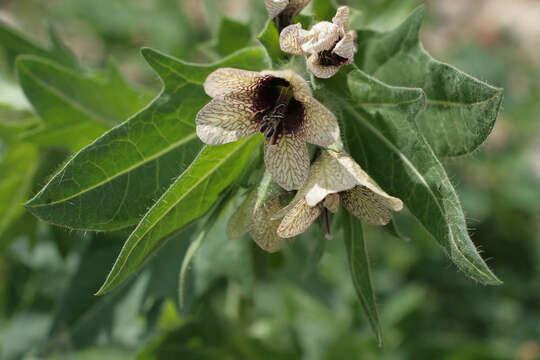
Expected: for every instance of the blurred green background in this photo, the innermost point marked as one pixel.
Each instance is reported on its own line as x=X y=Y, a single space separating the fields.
x=242 y=303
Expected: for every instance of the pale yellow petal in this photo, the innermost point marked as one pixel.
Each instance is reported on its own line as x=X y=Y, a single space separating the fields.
x=224 y=120
x=298 y=219
x=341 y=18
x=274 y=7
x=301 y=89
x=320 y=71
x=320 y=126
x=264 y=230
x=228 y=80
x=287 y=161
x=331 y=202
x=346 y=47
x=370 y=206
x=291 y=38
x=323 y=36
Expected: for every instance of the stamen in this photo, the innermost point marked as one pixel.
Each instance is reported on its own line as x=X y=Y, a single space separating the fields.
x=264 y=127
x=270 y=133
x=328 y=235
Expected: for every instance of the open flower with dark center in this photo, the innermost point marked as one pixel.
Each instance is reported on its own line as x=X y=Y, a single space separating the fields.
x=278 y=104
x=284 y=11
x=334 y=178
x=328 y=45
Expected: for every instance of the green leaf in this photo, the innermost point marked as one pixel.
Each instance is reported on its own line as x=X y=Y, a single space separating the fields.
x=16 y=44
x=461 y=110
x=360 y=272
x=383 y=137
x=131 y=165
x=269 y=39
x=324 y=10
x=189 y=197
x=75 y=108
x=232 y=36
x=17 y=166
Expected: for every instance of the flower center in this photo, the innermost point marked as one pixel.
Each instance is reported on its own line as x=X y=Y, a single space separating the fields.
x=328 y=58
x=277 y=111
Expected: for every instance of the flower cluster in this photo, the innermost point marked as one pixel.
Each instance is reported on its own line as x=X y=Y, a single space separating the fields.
x=280 y=105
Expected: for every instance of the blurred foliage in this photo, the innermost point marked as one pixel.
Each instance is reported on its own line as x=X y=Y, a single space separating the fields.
x=275 y=306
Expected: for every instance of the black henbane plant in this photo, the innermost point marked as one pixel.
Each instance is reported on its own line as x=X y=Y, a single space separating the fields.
x=361 y=123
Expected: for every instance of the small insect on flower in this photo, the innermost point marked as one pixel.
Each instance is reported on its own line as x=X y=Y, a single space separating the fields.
x=278 y=104
x=284 y=11
x=328 y=45
x=334 y=178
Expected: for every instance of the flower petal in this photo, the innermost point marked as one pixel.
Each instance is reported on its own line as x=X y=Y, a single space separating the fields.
x=321 y=71
x=224 y=120
x=370 y=206
x=301 y=90
x=228 y=80
x=341 y=18
x=274 y=7
x=320 y=126
x=240 y=221
x=287 y=161
x=331 y=202
x=323 y=36
x=263 y=229
x=291 y=39
x=346 y=47
x=298 y=219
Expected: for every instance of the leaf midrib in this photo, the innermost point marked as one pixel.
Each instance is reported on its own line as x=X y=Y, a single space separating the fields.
x=392 y=147
x=125 y=171
x=166 y=212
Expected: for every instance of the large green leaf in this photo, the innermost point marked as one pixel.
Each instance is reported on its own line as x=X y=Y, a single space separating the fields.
x=189 y=197
x=460 y=111
x=111 y=183
x=232 y=36
x=17 y=166
x=75 y=108
x=361 y=273
x=383 y=137
x=16 y=44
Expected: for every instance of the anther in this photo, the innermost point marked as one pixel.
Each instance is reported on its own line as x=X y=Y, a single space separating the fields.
x=270 y=133
x=263 y=128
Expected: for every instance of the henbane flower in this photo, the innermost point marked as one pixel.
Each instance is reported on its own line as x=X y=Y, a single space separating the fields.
x=255 y=216
x=284 y=10
x=328 y=45
x=278 y=104
x=334 y=178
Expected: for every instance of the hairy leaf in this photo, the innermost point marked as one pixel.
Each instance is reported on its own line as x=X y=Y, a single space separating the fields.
x=360 y=272
x=189 y=197
x=232 y=36
x=383 y=137
x=75 y=108
x=111 y=183
x=461 y=110
x=269 y=38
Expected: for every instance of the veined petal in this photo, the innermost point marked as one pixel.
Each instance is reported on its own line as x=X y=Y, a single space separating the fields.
x=287 y=160
x=224 y=120
x=346 y=47
x=298 y=219
x=370 y=206
x=301 y=90
x=320 y=71
x=274 y=7
x=341 y=18
x=323 y=36
x=228 y=80
x=291 y=39
x=328 y=176
x=263 y=229
x=320 y=126
x=331 y=202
